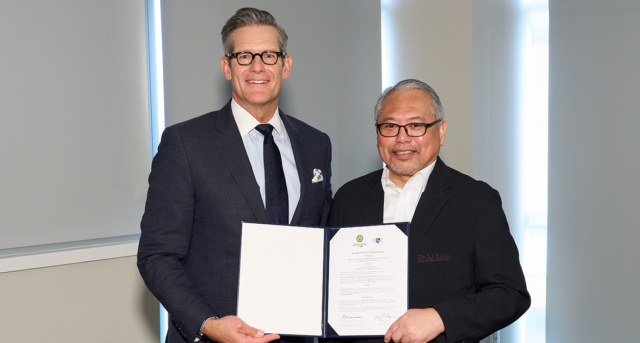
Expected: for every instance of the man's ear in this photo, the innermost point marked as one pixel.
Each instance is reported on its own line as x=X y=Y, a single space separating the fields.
x=226 y=68
x=443 y=131
x=286 y=68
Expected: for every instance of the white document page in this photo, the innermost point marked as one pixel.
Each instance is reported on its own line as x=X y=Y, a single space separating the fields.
x=281 y=279
x=367 y=279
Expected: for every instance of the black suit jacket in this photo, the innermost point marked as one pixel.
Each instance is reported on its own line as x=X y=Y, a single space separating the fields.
x=462 y=259
x=201 y=188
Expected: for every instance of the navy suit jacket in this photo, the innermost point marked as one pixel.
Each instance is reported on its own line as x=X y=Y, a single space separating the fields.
x=462 y=259
x=201 y=188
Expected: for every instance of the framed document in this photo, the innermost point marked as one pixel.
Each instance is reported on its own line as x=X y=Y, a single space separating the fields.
x=324 y=282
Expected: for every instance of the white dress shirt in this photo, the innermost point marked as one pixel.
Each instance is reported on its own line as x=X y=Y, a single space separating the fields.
x=253 y=144
x=400 y=203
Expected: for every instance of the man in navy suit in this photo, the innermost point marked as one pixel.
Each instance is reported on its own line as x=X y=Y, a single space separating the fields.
x=209 y=176
x=465 y=279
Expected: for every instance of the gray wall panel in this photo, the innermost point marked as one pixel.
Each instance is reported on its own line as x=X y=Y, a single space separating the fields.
x=75 y=136
x=594 y=193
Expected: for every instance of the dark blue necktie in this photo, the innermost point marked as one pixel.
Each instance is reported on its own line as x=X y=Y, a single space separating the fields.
x=276 y=194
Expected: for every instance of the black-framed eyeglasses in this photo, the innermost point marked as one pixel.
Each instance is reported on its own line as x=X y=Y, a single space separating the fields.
x=246 y=58
x=412 y=129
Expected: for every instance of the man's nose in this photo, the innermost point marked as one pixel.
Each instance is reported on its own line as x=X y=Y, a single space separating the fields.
x=403 y=134
x=257 y=65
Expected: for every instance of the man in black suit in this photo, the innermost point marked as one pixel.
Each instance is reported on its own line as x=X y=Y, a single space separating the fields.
x=209 y=176
x=465 y=279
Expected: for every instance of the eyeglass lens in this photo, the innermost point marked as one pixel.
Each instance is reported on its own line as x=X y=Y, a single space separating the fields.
x=392 y=130
x=268 y=57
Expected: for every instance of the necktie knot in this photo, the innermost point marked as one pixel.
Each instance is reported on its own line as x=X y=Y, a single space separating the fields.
x=264 y=129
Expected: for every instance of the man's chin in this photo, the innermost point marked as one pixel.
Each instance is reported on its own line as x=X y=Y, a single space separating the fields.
x=406 y=171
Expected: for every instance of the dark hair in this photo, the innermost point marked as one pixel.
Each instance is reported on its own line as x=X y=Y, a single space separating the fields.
x=249 y=16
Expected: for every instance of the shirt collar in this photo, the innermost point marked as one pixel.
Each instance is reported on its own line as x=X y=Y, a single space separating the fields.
x=422 y=177
x=246 y=122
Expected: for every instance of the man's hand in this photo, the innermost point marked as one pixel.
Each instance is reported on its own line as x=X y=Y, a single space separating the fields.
x=231 y=329
x=415 y=326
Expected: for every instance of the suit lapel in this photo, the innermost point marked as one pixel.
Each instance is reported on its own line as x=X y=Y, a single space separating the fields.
x=231 y=148
x=298 y=147
x=373 y=204
x=431 y=201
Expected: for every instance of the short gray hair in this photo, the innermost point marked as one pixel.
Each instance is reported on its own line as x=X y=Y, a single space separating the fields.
x=436 y=107
x=248 y=16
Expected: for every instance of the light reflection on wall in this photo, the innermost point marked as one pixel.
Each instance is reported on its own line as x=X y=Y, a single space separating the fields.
x=156 y=99
x=386 y=31
x=534 y=145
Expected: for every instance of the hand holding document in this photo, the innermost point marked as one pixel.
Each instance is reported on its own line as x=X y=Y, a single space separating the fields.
x=349 y=281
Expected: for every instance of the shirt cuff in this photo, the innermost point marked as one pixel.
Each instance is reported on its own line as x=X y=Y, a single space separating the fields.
x=200 y=336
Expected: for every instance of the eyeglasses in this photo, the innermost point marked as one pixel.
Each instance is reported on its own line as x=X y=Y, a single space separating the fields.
x=412 y=129
x=246 y=58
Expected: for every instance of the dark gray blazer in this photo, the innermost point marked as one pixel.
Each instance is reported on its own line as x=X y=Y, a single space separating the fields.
x=201 y=188
x=462 y=259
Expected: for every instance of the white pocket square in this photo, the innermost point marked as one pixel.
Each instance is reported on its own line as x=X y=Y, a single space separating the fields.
x=317 y=176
